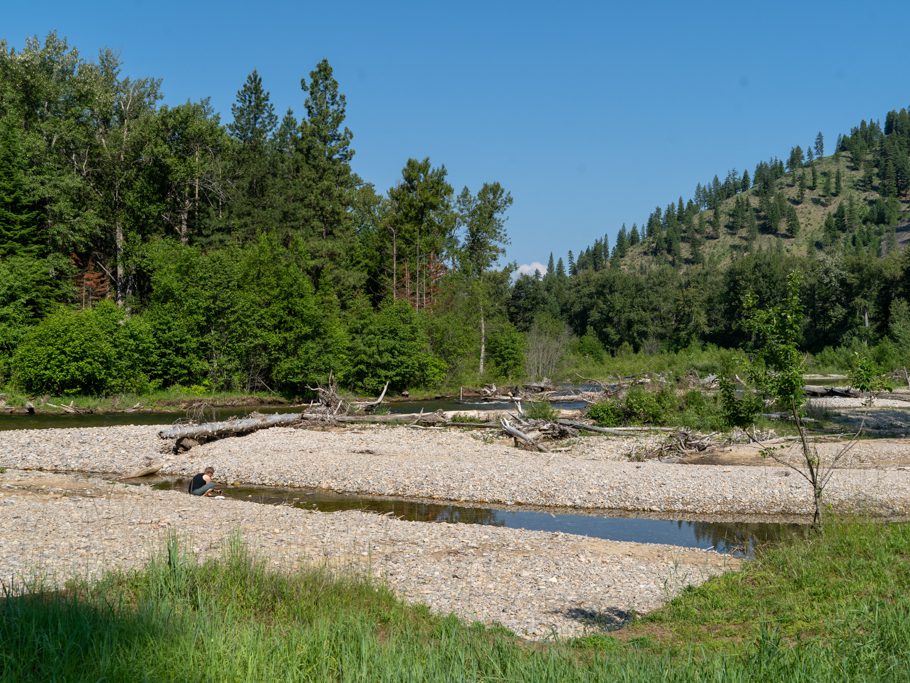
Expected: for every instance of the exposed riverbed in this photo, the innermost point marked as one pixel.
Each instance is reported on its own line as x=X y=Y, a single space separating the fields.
x=536 y=582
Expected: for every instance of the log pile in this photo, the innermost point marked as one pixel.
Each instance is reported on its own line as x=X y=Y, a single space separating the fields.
x=678 y=445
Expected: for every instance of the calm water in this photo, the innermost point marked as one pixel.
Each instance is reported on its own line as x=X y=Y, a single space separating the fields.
x=735 y=538
x=48 y=421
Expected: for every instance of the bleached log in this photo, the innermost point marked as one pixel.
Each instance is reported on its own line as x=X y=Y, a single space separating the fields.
x=370 y=406
x=613 y=430
x=144 y=472
x=521 y=436
x=211 y=431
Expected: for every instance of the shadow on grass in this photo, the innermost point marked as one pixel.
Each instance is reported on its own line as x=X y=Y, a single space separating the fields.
x=609 y=619
x=70 y=635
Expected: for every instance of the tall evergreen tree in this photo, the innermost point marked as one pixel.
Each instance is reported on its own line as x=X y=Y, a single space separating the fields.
x=622 y=243
x=819 y=145
x=254 y=115
x=326 y=183
x=19 y=209
x=419 y=226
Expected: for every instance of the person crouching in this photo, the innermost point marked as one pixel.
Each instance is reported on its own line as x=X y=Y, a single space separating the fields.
x=202 y=484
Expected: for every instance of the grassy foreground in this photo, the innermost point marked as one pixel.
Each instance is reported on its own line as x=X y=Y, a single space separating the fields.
x=833 y=608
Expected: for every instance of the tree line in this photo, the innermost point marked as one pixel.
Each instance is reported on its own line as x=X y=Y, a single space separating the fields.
x=144 y=245
x=150 y=245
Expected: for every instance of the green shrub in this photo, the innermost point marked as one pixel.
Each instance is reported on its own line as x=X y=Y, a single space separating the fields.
x=506 y=351
x=701 y=411
x=606 y=413
x=644 y=407
x=540 y=410
x=739 y=411
x=94 y=351
x=391 y=345
x=695 y=410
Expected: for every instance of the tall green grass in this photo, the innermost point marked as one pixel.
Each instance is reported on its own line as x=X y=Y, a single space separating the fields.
x=833 y=608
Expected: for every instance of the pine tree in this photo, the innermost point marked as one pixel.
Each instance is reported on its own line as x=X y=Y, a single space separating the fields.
x=838 y=183
x=286 y=136
x=796 y=158
x=696 y=246
x=19 y=210
x=326 y=185
x=634 y=237
x=792 y=222
x=622 y=243
x=819 y=145
x=801 y=194
x=560 y=269
x=251 y=209
x=814 y=171
x=254 y=115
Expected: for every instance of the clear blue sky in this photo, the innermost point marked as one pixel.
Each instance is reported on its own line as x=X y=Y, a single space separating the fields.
x=590 y=115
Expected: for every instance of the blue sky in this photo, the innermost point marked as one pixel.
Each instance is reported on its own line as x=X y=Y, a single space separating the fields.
x=589 y=113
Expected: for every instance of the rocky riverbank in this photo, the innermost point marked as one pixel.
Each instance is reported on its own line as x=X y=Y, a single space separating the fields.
x=591 y=473
x=538 y=584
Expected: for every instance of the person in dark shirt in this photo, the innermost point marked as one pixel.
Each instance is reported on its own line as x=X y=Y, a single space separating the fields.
x=202 y=484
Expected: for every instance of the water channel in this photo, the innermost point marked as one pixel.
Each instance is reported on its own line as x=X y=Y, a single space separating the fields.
x=66 y=420
x=737 y=538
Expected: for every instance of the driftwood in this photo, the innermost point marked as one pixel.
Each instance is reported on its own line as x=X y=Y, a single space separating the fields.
x=529 y=432
x=612 y=430
x=71 y=409
x=144 y=472
x=370 y=406
x=520 y=436
x=188 y=435
x=680 y=444
x=212 y=431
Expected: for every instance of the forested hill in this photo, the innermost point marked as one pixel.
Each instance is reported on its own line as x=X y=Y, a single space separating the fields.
x=146 y=246
x=853 y=201
x=680 y=277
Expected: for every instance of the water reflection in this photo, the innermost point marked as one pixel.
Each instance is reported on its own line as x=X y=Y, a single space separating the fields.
x=740 y=539
x=66 y=420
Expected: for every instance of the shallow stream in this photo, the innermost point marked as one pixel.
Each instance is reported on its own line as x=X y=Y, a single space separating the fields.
x=736 y=538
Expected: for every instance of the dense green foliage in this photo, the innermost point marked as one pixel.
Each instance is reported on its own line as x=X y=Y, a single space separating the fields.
x=639 y=406
x=832 y=607
x=249 y=256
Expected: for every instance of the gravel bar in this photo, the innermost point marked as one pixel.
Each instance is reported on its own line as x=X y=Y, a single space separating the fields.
x=538 y=584
x=459 y=466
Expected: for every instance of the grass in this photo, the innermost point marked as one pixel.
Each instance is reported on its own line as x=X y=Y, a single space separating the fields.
x=832 y=608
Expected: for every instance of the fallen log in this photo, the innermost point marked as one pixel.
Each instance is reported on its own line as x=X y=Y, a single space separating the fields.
x=521 y=436
x=71 y=409
x=211 y=431
x=370 y=406
x=613 y=430
x=400 y=418
x=188 y=435
x=144 y=472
